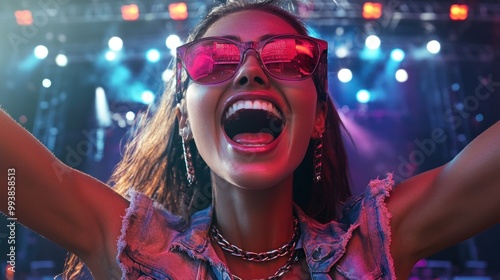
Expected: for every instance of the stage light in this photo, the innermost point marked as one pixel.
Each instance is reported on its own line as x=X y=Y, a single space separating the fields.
x=41 y=52
x=397 y=55
x=178 y=11
x=130 y=116
x=479 y=117
x=153 y=55
x=148 y=97
x=130 y=12
x=455 y=86
x=173 y=41
x=102 y=112
x=24 y=17
x=342 y=52
x=433 y=46
x=344 y=75
x=363 y=96
x=459 y=12
x=110 y=55
x=401 y=76
x=167 y=75
x=372 y=10
x=372 y=42
x=115 y=43
x=61 y=60
x=46 y=83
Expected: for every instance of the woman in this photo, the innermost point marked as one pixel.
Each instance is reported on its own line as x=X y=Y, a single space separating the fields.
x=245 y=153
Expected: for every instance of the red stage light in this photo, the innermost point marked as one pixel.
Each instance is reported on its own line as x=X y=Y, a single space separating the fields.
x=372 y=10
x=178 y=11
x=459 y=12
x=24 y=17
x=130 y=12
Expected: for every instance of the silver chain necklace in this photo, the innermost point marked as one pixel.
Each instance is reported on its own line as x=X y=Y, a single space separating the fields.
x=257 y=257
x=282 y=270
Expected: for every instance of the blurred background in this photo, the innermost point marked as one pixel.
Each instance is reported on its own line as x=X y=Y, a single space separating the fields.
x=414 y=81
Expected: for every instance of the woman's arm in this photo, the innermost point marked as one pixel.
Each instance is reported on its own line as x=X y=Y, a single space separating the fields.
x=68 y=207
x=449 y=204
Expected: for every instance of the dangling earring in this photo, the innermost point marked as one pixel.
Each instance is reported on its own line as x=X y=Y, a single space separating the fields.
x=190 y=174
x=317 y=158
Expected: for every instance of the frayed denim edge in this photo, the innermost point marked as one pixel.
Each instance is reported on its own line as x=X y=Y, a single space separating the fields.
x=125 y=223
x=381 y=190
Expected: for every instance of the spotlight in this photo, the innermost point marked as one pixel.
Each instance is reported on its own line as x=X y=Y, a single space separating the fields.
x=372 y=42
x=178 y=11
x=61 y=60
x=401 y=75
x=397 y=55
x=173 y=41
x=459 y=12
x=110 y=55
x=153 y=55
x=41 y=52
x=342 y=52
x=130 y=116
x=115 y=43
x=363 y=96
x=148 y=97
x=433 y=46
x=24 y=17
x=46 y=83
x=372 y=10
x=130 y=12
x=344 y=75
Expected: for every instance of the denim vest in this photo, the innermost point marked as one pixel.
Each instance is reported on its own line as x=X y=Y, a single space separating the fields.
x=355 y=247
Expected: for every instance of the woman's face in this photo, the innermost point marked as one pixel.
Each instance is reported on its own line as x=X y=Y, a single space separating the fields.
x=246 y=147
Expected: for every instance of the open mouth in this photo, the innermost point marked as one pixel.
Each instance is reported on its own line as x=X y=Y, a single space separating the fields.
x=253 y=122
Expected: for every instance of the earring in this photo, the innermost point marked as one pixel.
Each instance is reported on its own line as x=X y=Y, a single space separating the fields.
x=190 y=174
x=317 y=158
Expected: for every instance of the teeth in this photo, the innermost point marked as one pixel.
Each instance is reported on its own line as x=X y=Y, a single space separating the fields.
x=258 y=104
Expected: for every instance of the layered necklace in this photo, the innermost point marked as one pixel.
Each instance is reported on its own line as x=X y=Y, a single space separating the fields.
x=285 y=249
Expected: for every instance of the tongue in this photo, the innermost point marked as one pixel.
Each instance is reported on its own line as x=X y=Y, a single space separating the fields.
x=260 y=138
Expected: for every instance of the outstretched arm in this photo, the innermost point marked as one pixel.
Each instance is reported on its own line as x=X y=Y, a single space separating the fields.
x=444 y=206
x=66 y=206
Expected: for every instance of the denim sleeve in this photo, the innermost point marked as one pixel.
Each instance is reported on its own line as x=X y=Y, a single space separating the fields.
x=367 y=253
x=144 y=243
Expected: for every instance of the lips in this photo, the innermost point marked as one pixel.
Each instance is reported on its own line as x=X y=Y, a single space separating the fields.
x=256 y=122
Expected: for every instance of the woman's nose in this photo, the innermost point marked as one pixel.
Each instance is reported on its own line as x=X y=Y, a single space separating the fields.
x=251 y=72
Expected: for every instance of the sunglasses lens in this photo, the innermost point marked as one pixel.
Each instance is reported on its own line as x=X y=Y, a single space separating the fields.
x=290 y=58
x=216 y=60
x=212 y=61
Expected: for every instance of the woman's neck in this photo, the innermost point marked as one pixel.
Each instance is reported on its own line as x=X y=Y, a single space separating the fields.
x=254 y=220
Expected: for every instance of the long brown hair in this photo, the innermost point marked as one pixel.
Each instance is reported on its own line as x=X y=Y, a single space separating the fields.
x=153 y=161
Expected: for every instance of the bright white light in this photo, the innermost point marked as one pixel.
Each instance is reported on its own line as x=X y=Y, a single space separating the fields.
x=344 y=75
x=433 y=47
x=41 y=52
x=372 y=42
x=167 y=75
x=173 y=41
x=342 y=52
x=115 y=44
x=61 y=60
x=397 y=55
x=363 y=96
x=46 y=83
x=401 y=75
x=148 y=97
x=130 y=115
x=153 y=55
x=102 y=112
x=110 y=55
